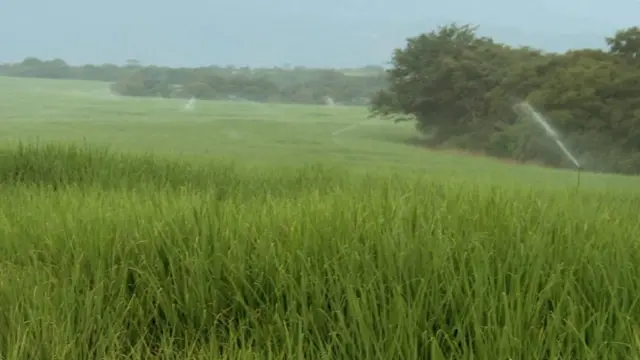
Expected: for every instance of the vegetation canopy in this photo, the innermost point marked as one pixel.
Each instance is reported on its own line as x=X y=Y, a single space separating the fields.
x=460 y=88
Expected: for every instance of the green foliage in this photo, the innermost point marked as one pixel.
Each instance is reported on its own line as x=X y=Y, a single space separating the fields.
x=461 y=87
x=626 y=43
x=109 y=256
x=297 y=85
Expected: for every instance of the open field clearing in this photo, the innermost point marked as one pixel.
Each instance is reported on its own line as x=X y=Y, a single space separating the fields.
x=35 y=110
x=246 y=231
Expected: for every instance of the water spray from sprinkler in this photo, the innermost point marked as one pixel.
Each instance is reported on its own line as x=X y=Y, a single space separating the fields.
x=525 y=110
x=328 y=100
x=190 y=105
x=347 y=128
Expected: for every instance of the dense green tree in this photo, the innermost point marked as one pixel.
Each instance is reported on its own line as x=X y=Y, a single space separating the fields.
x=626 y=43
x=461 y=89
x=441 y=79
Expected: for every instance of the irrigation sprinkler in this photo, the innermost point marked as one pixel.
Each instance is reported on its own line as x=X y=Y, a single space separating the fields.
x=525 y=110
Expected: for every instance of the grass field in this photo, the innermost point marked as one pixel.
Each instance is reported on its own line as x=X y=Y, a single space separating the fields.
x=247 y=231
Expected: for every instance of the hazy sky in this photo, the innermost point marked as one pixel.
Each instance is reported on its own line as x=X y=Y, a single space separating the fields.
x=276 y=32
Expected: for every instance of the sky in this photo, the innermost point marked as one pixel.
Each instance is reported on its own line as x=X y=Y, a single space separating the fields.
x=329 y=33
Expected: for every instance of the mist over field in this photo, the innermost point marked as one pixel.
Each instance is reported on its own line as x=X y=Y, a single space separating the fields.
x=246 y=180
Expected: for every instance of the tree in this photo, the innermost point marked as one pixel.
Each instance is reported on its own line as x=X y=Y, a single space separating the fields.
x=133 y=63
x=461 y=89
x=441 y=79
x=626 y=43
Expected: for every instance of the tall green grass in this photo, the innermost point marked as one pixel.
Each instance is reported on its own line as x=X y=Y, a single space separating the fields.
x=105 y=256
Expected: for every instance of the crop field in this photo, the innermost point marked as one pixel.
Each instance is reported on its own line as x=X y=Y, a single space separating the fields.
x=134 y=229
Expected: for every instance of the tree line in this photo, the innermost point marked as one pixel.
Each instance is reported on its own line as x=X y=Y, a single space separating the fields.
x=463 y=91
x=284 y=85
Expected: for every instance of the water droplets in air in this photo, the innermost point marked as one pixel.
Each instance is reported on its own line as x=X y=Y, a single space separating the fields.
x=190 y=105
x=525 y=110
